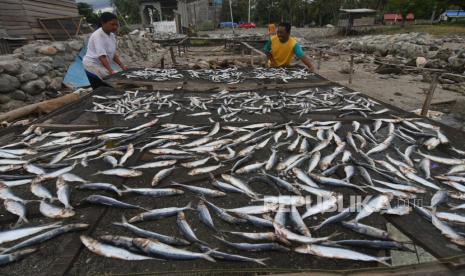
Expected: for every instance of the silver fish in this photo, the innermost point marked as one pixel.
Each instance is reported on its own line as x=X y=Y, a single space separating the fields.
x=156 y=248
x=46 y=236
x=111 y=251
x=120 y=172
x=160 y=213
x=162 y=174
x=339 y=253
x=52 y=211
x=16 y=208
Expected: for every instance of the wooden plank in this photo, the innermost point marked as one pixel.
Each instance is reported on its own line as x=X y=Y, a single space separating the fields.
x=424 y=234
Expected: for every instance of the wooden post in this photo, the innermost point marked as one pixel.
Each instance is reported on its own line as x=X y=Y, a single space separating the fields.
x=429 y=96
x=351 y=69
x=320 y=56
x=173 y=58
x=162 y=63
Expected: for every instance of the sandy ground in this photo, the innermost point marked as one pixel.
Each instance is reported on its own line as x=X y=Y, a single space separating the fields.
x=403 y=91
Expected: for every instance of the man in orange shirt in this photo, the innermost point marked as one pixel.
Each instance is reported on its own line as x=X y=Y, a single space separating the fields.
x=281 y=48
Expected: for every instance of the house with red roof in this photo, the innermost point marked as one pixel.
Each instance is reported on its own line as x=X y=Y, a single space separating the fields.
x=393 y=18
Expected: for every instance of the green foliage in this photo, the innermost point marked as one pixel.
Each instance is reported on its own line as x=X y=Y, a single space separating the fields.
x=128 y=10
x=87 y=11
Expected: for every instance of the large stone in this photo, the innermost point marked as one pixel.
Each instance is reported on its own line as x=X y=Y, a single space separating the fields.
x=4 y=99
x=39 y=69
x=47 y=50
x=18 y=95
x=76 y=45
x=8 y=83
x=59 y=62
x=56 y=84
x=11 y=105
x=444 y=54
x=59 y=46
x=457 y=63
x=28 y=76
x=11 y=66
x=34 y=87
x=387 y=69
x=459 y=109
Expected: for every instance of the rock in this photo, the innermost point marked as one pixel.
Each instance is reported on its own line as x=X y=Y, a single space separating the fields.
x=454 y=87
x=418 y=78
x=10 y=66
x=69 y=57
x=443 y=54
x=47 y=50
x=457 y=64
x=203 y=64
x=47 y=79
x=388 y=69
x=58 y=62
x=34 y=87
x=454 y=78
x=18 y=95
x=11 y=105
x=421 y=62
x=39 y=70
x=56 y=84
x=59 y=46
x=345 y=69
x=76 y=45
x=28 y=76
x=8 y=83
x=4 y=99
x=459 y=109
x=445 y=81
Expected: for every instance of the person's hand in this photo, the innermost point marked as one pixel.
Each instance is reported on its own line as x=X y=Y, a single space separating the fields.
x=111 y=72
x=124 y=67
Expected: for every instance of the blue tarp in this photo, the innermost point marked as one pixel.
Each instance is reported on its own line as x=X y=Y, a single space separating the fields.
x=452 y=14
x=76 y=76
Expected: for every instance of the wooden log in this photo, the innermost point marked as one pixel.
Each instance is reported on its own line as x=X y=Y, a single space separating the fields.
x=40 y=108
x=351 y=69
x=429 y=96
x=173 y=58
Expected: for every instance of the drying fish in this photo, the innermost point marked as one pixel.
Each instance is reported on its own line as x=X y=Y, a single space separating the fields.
x=16 y=208
x=111 y=251
x=162 y=174
x=156 y=248
x=16 y=256
x=63 y=192
x=100 y=186
x=204 y=170
x=160 y=213
x=255 y=246
x=120 y=172
x=200 y=190
x=108 y=201
x=46 y=236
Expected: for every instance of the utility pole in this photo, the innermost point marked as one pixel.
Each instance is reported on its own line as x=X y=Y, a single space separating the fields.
x=249 y=13
x=232 y=18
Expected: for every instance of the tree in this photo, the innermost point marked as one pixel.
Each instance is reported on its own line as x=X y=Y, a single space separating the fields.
x=128 y=9
x=403 y=7
x=87 y=11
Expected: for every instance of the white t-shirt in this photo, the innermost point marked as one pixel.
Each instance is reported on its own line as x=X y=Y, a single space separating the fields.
x=100 y=44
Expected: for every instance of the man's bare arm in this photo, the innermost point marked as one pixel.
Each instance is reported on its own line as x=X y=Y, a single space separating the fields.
x=308 y=63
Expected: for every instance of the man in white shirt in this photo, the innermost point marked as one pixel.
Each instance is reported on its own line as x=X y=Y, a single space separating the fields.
x=101 y=48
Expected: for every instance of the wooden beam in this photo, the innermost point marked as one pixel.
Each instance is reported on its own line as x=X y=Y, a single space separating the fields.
x=429 y=96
